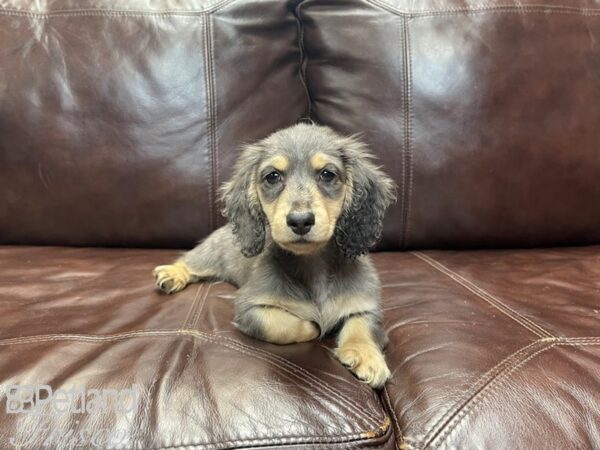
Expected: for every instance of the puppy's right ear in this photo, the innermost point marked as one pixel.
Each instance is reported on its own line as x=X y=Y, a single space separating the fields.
x=241 y=204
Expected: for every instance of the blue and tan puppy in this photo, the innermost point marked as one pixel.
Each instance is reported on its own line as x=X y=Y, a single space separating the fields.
x=304 y=206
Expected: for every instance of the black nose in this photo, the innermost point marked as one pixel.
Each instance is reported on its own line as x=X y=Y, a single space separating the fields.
x=300 y=222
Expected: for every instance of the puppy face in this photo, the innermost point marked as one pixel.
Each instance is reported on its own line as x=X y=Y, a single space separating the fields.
x=301 y=187
x=304 y=184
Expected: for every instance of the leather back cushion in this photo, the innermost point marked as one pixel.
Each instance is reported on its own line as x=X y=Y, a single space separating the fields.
x=118 y=120
x=487 y=116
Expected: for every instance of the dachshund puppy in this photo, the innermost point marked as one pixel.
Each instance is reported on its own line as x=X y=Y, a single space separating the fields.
x=304 y=206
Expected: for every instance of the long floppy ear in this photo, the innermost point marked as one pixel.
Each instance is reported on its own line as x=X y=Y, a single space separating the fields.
x=370 y=193
x=241 y=204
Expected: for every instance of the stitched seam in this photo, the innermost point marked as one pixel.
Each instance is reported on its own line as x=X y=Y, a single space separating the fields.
x=507 y=11
x=486 y=296
x=307 y=374
x=303 y=59
x=86 y=337
x=594 y=340
x=477 y=387
x=577 y=339
x=171 y=331
x=251 y=445
x=485 y=8
x=404 y=95
x=293 y=370
x=484 y=394
x=192 y=307
x=577 y=344
x=198 y=312
x=215 y=121
x=275 y=440
x=409 y=143
x=208 y=117
x=208 y=85
x=286 y=366
x=114 y=14
x=276 y=360
x=283 y=364
x=395 y=422
x=121 y=12
x=407 y=170
x=547 y=9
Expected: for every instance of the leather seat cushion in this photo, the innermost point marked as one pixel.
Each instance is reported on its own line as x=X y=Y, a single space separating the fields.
x=494 y=349
x=91 y=317
x=483 y=345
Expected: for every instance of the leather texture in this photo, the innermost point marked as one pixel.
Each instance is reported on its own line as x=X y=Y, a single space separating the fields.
x=436 y=90
x=494 y=349
x=484 y=112
x=489 y=349
x=118 y=121
x=91 y=317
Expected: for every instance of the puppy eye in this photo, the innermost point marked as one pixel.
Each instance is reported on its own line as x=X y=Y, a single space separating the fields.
x=327 y=176
x=273 y=177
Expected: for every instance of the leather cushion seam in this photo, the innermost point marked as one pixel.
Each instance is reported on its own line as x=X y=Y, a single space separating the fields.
x=232 y=344
x=215 y=123
x=395 y=421
x=293 y=440
x=407 y=169
x=575 y=342
x=192 y=310
x=501 y=380
x=485 y=296
x=492 y=381
x=493 y=386
x=198 y=312
x=303 y=59
x=556 y=9
x=479 y=385
x=277 y=360
x=209 y=86
x=122 y=12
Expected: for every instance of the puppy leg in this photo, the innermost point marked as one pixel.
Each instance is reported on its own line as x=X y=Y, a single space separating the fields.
x=202 y=262
x=190 y=268
x=359 y=347
x=275 y=325
x=171 y=278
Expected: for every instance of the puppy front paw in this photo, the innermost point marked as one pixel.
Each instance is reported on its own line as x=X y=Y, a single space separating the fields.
x=172 y=278
x=366 y=362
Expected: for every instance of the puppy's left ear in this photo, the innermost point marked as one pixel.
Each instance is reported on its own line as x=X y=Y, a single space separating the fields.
x=370 y=193
x=242 y=207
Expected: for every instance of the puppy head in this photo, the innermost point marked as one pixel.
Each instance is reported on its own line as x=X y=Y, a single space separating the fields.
x=306 y=185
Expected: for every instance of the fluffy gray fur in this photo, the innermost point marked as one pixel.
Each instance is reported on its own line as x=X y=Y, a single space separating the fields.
x=327 y=287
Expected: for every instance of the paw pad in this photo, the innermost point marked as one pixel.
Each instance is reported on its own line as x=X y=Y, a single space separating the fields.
x=366 y=362
x=171 y=278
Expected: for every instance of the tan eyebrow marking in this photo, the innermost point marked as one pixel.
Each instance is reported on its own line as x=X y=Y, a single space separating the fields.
x=280 y=163
x=318 y=161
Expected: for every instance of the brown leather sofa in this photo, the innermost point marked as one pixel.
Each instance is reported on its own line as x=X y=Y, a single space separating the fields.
x=118 y=122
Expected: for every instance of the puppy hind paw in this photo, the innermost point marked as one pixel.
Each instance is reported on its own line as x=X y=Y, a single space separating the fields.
x=302 y=331
x=308 y=331
x=366 y=362
x=172 y=278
